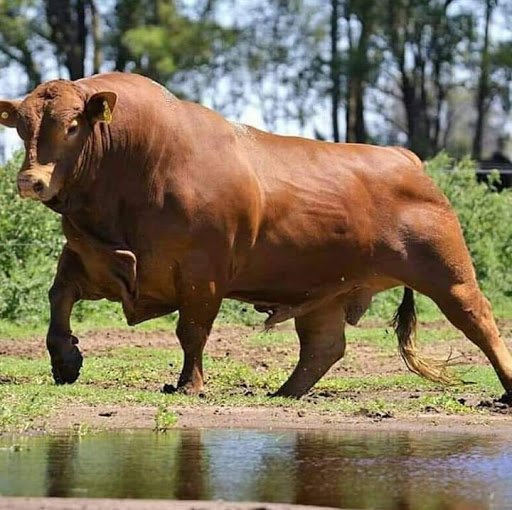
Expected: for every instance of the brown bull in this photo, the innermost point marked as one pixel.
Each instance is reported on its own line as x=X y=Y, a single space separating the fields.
x=168 y=206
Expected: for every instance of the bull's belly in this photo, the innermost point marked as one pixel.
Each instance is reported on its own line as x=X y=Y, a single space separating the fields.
x=287 y=285
x=356 y=296
x=294 y=274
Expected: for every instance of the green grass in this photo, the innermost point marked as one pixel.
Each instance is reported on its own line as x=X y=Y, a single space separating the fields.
x=133 y=376
x=384 y=337
x=165 y=419
x=21 y=330
x=272 y=337
x=89 y=316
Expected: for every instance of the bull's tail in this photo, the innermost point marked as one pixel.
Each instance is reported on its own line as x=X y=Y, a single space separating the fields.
x=404 y=324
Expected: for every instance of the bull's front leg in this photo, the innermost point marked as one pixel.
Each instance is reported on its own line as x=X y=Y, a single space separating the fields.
x=65 y=357
x=192 y=332
x=199 y=302
x=61 y=344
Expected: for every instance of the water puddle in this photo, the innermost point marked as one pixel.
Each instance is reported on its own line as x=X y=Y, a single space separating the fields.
x=338 y=469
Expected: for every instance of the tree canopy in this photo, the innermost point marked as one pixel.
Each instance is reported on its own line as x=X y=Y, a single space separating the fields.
x=429 y=74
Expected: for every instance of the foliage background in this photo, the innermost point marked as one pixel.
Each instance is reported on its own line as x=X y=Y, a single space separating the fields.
x=429 y=74
x=31 y=240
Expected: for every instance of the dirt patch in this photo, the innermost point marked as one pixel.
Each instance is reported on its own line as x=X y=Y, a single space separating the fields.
x=141 y=504
x=112 y=417
x=105 y=340
x=362 y=357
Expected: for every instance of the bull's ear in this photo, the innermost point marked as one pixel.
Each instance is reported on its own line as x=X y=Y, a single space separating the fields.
x=100 y=107
x=9 y=113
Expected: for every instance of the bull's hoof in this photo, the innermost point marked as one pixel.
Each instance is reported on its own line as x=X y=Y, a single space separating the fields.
x=66 y=368
x=169 y=389
x=506 y=399
x=285 y=394
x=186 y=389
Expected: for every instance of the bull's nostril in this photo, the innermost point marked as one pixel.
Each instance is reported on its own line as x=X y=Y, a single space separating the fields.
x=38 y=187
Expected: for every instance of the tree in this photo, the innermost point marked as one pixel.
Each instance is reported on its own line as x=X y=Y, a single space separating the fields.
x=154 y=38
x=399 y=71
x=71 y=24
x=494 y=70
x=18 y=38
x=335 y=68
x=482 y=94
x=68 y=32
x=425 y=41
x=279 y=64
x=361 y=19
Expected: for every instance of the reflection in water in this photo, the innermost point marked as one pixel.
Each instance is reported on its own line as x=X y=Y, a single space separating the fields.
x=61 y=455
x=192 y=470
x=354 y=470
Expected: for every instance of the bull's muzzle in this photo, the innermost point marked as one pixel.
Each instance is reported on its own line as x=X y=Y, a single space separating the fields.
x=35 y=184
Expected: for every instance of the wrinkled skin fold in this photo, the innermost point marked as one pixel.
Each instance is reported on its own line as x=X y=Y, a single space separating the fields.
x=167 y=206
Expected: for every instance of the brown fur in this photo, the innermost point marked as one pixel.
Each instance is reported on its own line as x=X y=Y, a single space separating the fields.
x=171 y=207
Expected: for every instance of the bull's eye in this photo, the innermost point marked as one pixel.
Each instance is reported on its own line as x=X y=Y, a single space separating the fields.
x=72 y=128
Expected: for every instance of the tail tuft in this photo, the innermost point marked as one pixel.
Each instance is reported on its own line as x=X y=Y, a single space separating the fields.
x=404 y=324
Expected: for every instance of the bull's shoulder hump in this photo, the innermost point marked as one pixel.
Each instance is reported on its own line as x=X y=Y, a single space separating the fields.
x=413 y=158
x=116 y=77
x=131 y=84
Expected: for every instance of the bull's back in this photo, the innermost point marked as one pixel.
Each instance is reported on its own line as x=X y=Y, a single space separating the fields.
x=329 y=209
x=313 y=189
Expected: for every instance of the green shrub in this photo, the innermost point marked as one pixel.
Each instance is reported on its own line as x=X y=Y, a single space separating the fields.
x=31 y=240
x=486 y=219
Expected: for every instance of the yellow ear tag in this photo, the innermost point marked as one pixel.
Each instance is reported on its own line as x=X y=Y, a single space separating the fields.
x=5 y=115
x=107 y=113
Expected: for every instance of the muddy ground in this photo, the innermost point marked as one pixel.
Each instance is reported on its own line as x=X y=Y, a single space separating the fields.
x=363 y=359
x=122 y=504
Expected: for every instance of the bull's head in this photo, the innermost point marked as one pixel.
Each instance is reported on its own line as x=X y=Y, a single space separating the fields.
x=54 y=122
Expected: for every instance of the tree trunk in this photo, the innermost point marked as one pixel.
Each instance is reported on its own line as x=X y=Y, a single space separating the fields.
x=68 y=32
x=96 y=37
x=416 y=115
x=356 y=80
x=335 y=70
x=125 y=14
x=483 y=86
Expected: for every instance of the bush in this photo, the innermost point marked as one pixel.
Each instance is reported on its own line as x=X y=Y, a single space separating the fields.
x=31 y=240
x=486 y=219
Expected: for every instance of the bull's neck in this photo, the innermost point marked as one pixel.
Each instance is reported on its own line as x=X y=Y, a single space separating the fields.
x=116 y=176
x=124 y=159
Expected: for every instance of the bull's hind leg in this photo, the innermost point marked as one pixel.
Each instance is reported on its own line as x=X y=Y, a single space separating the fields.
x=439 y=266
x=322 y=343
x=468 y=310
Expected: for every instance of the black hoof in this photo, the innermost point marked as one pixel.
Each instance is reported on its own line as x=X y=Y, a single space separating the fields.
x=278 y=394
x=66 y=368
x=505 y=399
x=169 y=389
